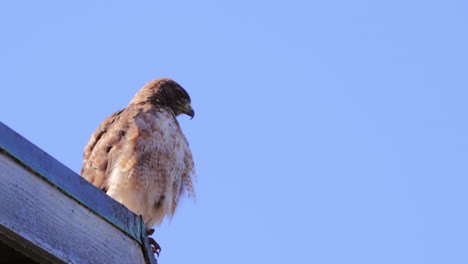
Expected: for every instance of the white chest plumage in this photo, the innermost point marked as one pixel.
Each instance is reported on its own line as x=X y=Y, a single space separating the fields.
x=150 y=166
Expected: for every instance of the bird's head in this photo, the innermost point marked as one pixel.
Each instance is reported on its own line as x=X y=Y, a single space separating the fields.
x=165 y=92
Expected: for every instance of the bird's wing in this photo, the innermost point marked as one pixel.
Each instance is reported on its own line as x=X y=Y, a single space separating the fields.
x=101 y=146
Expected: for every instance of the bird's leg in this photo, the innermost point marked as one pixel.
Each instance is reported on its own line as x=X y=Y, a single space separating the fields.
x=150 y=231
x=154 y=245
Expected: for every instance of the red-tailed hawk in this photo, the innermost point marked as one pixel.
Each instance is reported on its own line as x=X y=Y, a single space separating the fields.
x=139 y=155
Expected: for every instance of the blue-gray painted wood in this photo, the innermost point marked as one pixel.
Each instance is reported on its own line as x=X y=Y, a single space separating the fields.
x=73 y=185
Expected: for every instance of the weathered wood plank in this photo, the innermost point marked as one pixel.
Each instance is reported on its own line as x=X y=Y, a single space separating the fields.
x=29 y=252
x=69 y=182
x=41 y=213
x=52 y=171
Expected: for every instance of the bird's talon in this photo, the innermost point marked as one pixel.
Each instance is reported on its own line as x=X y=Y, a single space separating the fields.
x=154 y=246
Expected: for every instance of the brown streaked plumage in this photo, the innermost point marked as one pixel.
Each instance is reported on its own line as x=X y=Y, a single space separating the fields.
x=139 y=155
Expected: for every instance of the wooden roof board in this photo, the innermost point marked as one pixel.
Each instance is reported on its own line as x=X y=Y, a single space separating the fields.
x=74 y=186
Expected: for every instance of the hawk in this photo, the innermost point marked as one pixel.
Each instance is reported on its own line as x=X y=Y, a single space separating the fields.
x=139 y=155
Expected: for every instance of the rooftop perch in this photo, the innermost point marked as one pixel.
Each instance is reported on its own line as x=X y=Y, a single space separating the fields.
x=49 y=214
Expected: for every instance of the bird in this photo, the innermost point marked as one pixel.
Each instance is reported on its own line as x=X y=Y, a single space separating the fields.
x=139 y=155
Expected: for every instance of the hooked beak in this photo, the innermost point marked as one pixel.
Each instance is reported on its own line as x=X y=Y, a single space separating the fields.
x=189 y=111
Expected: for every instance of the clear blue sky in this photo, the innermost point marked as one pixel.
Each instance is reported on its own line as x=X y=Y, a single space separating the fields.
x=325 y=131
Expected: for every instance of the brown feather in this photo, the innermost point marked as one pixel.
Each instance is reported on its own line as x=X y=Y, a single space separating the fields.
x=140 y=156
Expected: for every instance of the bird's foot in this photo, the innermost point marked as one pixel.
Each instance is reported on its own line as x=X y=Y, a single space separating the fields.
x=154 y=245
